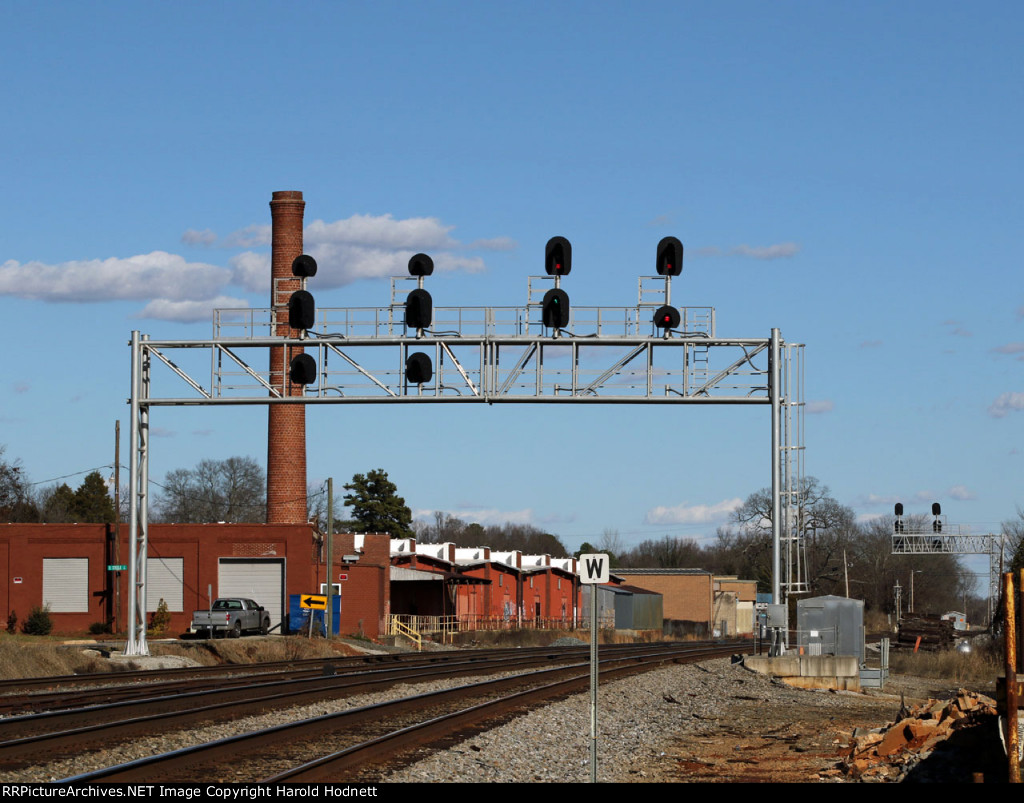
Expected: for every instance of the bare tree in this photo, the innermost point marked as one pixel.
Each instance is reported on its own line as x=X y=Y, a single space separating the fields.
x=232 y=490
x=665 y=553
x=316 y=508
x=1013 y=532
x=16 y=503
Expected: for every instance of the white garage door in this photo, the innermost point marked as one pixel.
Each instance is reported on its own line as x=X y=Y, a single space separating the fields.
x=259 y=580
x=66 y=584
x=164 y=581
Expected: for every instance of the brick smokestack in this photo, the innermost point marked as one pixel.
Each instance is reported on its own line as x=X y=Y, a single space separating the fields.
x=286 y=424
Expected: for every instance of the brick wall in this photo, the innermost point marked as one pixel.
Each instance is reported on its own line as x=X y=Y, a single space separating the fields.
x=687 y=597
x=24 y=547
x=366 y=591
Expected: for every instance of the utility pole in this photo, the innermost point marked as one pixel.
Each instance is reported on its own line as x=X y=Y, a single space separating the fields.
x=117 y=524
x=329 y=613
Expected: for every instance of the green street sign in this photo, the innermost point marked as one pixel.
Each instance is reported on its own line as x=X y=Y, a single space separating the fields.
x=117 y=568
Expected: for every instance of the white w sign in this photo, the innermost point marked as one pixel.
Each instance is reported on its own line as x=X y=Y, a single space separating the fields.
x=594 y=569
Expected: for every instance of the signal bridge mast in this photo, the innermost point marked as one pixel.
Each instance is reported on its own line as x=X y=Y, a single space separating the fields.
x=411 y=352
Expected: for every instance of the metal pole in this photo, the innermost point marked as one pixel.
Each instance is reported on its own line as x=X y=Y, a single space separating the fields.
x=138 y=525
x=593 y=683
x=143 y=550
x=776 y=402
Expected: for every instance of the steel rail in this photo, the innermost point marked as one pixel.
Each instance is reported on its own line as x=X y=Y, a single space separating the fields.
x=169 y=766
x=67 y=730
x=384 y=748
x=188 y=678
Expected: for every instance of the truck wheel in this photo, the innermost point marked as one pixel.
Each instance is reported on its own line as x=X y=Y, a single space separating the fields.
x=237 y=631
x=265 y=628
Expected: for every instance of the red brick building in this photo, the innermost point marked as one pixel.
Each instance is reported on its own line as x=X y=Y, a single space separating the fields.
x=482 y=588
x=65 y=566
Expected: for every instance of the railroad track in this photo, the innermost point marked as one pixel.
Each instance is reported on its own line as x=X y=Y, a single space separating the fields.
x=36 y=695
x=340 y=746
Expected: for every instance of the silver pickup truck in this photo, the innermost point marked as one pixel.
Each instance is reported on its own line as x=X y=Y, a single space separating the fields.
x=232 y=616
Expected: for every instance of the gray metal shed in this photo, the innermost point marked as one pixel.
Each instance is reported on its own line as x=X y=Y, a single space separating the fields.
x=831 y=626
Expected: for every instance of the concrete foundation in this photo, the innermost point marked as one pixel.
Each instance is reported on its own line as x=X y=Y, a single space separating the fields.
x=838 y=672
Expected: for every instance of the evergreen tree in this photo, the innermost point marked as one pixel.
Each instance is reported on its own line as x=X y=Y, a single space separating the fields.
x=92 y=502
x=58 y=504
x=376 y=505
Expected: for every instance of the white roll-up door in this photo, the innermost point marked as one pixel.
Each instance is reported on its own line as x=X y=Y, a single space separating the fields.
x=66 y=584
x=165 y=580
x=255 y=579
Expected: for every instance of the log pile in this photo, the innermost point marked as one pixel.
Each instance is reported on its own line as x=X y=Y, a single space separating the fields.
x=933 y=631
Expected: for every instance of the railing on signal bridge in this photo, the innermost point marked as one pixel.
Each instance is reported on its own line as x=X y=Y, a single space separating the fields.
x=470 y=322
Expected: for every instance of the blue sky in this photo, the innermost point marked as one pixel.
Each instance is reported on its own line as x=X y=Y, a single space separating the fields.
x=848 y=173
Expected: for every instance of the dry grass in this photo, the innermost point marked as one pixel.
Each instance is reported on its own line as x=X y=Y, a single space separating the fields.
x=981 y=665
x=249 y=650
x=32 y=656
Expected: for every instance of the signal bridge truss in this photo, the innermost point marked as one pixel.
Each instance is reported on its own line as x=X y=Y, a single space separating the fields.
x=610 y=355
x=914 y=541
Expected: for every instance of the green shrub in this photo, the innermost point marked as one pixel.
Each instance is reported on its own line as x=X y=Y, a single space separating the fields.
x=12 y=622
x=160 y=619
x=39 y=622
x=99 y=628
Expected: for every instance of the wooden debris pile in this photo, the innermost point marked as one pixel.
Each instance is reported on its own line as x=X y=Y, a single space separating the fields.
x=889 y=753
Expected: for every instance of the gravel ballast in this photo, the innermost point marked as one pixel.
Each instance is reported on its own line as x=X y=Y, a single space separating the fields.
x=643 y=720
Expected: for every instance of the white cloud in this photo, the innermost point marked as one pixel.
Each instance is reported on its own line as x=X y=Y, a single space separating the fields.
x=362 y=246
x=1010 y=348
x=961 y=492
x=340 y=264
x=870 y=344
x=383 y=231
x=153 y=275
x=1005 y=404
x=821 y=406
x=163 y=309
x=888 y=500
x=779 y=251
x=194 y=237
x=872 y=500
x=692 y=514
x=250 y=236
x=251 y=270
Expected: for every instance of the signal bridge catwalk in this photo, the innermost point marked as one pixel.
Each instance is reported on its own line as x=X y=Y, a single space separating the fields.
x=932 y=541
x=481 y=354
